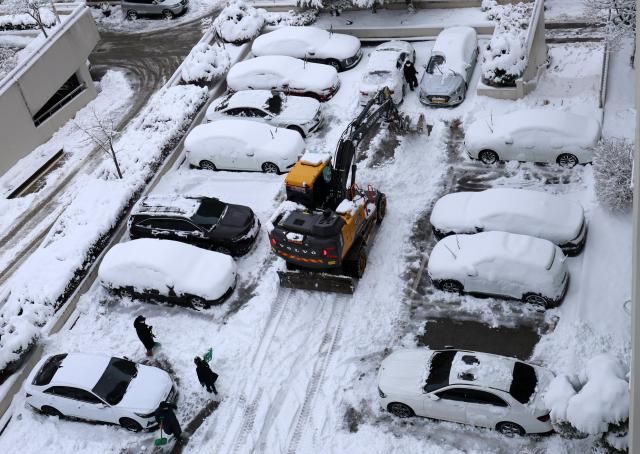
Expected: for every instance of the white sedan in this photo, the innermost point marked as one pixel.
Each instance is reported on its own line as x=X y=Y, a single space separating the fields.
x=311 y=44
x=99 y=388
x=168 y=271
x=535 y=135
x=287 y=74
x=384 y=69
x=535 y=213
x=503 y=264
x=466 y=387
x=243 y=145
x=277 y=109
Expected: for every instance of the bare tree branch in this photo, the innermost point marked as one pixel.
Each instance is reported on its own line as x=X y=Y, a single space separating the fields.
x=102 y=133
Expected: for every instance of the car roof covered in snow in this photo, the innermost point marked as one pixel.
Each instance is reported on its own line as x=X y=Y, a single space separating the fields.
x=382 y=61
x=482 y=369
x=312 y=35
x=394 y=45
x=305 y=39
x=455 y=44
x=168 y=204
x=253 y=133
x=251 y=98
x=277 y=64
x=82 y=370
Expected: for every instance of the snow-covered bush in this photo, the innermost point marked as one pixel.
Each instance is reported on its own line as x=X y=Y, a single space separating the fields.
x=612 y=164
x=205 y=63
x=8 y=60
x=293 y=18
x=26 y=14
x=238 y=22
x=504 y=58
x=596 y=402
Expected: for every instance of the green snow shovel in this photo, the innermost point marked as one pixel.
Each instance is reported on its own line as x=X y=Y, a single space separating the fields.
x=162 y=440
x=208 y=356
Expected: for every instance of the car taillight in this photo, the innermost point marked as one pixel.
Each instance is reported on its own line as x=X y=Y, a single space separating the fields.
x=273 y=241
x=364 y=93
x=329 y=253
x=544 y=418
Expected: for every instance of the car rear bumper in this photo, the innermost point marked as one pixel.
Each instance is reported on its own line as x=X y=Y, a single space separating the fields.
x=351 y=62
x=575 y=246
x=325 y=96
x=439 y=101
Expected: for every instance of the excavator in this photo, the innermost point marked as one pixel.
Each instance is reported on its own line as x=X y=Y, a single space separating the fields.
x=326 y=226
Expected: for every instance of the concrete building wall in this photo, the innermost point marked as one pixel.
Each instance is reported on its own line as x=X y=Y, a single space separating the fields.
x=30 y=85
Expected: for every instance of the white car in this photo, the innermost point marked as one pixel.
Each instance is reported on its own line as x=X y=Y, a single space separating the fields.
x=277 y=109
x=287 y=74
x=466 y=387
x=450 y=67
x=243 y=145
x=311 y=44
x=168 y=271
x=503 y=264
x=384 y=69
x=535 y=213
x=99 y=388
x=535 y=135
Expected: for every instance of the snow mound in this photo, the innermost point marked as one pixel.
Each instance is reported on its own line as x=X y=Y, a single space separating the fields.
x=239 y=22
x=205 y=63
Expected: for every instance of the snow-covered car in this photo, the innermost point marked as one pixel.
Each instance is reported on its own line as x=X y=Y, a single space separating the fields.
x=237 y=144
x=287 y=74
x=503 y=264
x=466 y=387
x=312 y=44
x=168 y=271
x=534 y=135
x=535 y=213
x=450 y=67
x=99 y=388
x=297 y=113
x=384 y=69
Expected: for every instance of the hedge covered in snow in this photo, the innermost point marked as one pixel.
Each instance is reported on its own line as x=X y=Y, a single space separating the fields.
x=205 y=63
x=504 y=58
x=24 y=21
x=238 y=22
x=612 y=164
x=291 y=18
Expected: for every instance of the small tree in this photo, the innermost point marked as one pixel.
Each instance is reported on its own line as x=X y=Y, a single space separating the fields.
x=32 y=8
x=102 y=133
x=620 y=18
x=612 y=164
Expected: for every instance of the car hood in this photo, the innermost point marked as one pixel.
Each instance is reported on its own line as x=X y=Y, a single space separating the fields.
x=237 y=216
x=339 y=46
x=449 y=212
x=145 y=392
x=300 y=109
x=404 y=370
x=439 y=84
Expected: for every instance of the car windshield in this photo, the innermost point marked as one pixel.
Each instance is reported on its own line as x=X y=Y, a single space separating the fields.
x=275 y=103
x=434 y=64
x=48 y=370
x=524 y=382
x=115 y=380
x=376 y=77
x=439 y=370
x=209 y=212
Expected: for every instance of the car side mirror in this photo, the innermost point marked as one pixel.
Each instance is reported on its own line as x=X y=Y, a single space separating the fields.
x=250 y=152
x=472 y=272
x=508 y=140
x=311 y=51
x=433 y=397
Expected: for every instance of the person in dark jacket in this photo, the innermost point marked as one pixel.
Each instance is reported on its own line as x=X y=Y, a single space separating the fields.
x=206 y=376
x=166 y=416
x=145 y=333
x=410 y=74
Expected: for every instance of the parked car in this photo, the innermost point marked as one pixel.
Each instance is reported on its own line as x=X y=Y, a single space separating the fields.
x=450 y=67
x=312 y=44
x=277 y=109
x=167 y=9
x=168 y=271
x=243 y=145
x=535 y=135
x=99 y=388
x=287 y=74
x=466 y=387
x=205 y=222
x=501 y=264
x=540 y=214
x=384 y=69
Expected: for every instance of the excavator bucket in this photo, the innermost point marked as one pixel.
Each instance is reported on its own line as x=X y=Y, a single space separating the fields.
x=322 y=282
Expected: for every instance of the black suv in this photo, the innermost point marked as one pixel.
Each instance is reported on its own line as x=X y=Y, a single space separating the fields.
x=202 y=221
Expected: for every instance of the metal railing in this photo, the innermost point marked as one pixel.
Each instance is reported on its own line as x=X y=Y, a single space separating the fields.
x=57 y=106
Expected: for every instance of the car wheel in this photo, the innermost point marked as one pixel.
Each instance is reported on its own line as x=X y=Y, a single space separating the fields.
x=207 y=165
x=168 y=14
x=132 y=14
x=223 y=250
x=362 y=263
x=297 y=129
x=538 y=300
x=270 y=167
x=567 y=160
x=488 y=156
x=381 y=210
x=130 y=425
x=50 y=411
x=451 y=286
x=510 y=429
x=400 y=410
x=335 y=64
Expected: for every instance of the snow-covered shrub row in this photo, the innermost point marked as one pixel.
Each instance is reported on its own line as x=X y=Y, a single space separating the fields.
x=293 y=18
x=97 y=203
x=238 y=22
x=205 y=63
x=26 y=22
x=612 y=164
x=504 y=58
x=596 y=402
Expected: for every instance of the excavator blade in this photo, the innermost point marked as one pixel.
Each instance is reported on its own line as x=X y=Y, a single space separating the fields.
x=321 y=282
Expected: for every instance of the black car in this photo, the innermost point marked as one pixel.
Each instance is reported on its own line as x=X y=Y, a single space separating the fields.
x=201 y=221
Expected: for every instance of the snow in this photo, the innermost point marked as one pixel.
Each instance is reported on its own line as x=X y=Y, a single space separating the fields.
x=315 y=158
x=350 y=206
x=238 y=22
x=24 y=21
x=79 y=369
x=491 y=371
x=456 y=45
x=173 y=203
x=166 y=265
x=205 y=63
x=301 y=42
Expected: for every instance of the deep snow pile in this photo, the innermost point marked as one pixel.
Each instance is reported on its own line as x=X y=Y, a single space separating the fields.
x=205 y=63
x=504 y=58
x=238 y=22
